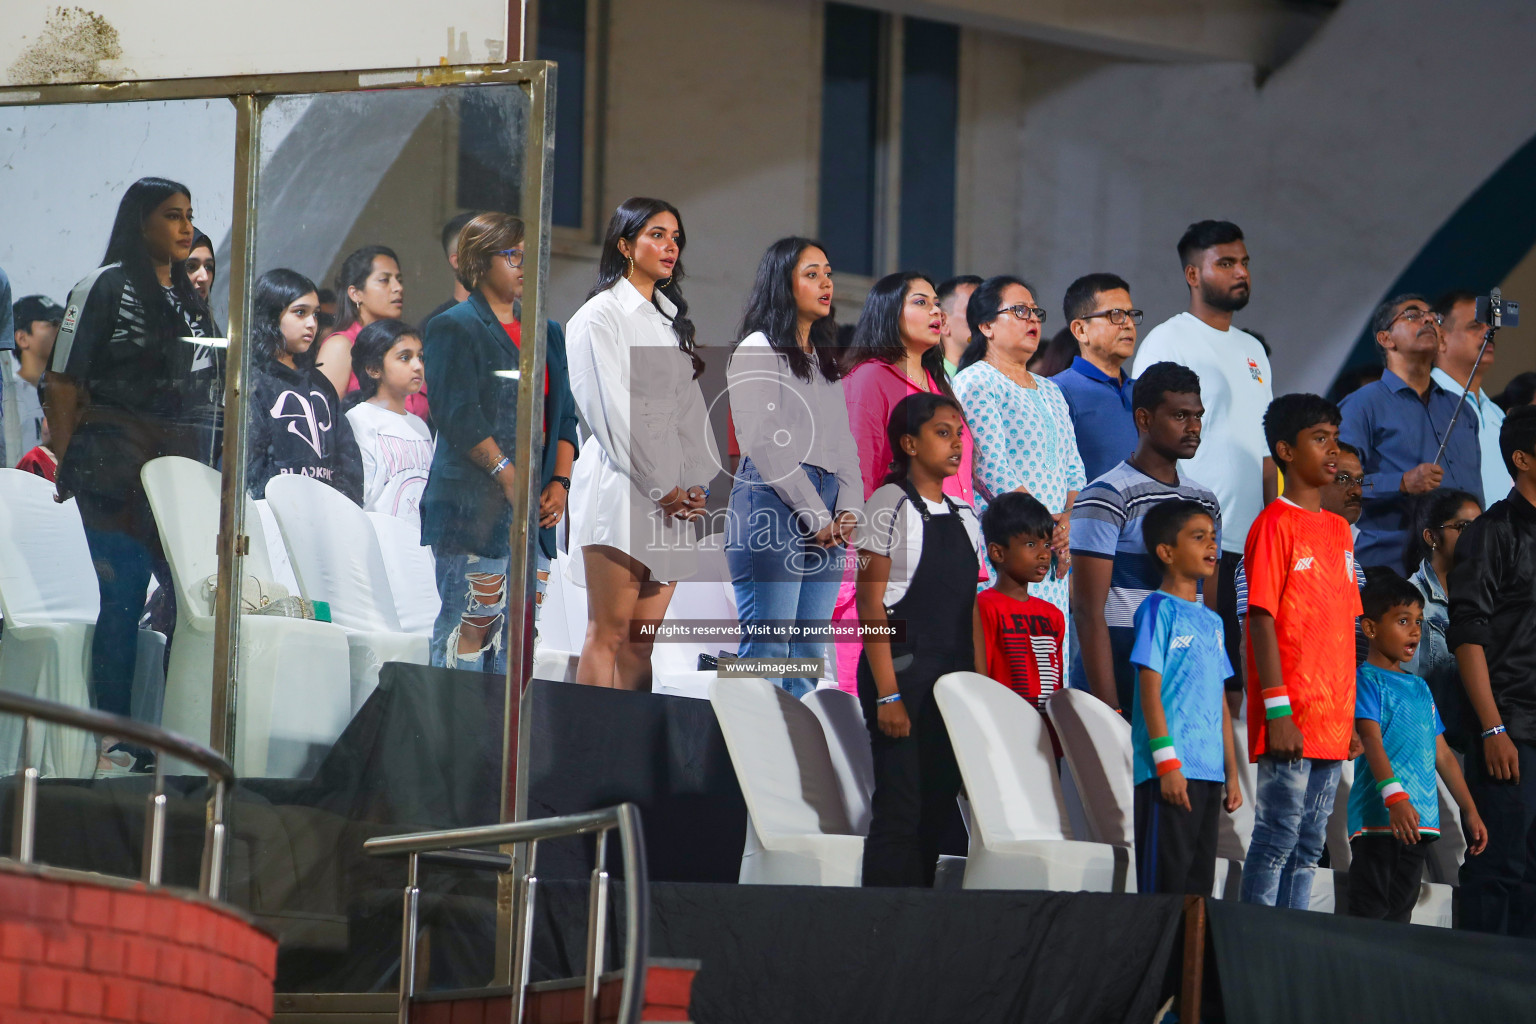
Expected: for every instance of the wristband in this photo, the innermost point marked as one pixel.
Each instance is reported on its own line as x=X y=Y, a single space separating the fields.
x=1276 y=703
x=1164 y=756
x=563 y=481
x=503 y=464
x=1492 y=732
x=892 y=699
x=1392 y=791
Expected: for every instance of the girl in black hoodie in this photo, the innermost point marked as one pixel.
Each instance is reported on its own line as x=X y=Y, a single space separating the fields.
x=296 y=422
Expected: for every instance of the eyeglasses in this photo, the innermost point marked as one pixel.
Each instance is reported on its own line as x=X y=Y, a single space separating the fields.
x=514 y=257
x=1414 y=314
x=1116 y=316
x=1345 y=480
x=1023 y=312
x=1458 y=525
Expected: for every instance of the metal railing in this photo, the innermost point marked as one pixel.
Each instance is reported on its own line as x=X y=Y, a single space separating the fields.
x=221 y=777
x=450 y=847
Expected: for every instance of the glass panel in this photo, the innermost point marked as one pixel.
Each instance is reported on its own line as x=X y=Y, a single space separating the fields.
x=849 y=136
x=563 y=39
x=119 y=366
x=929 y=95
x=344 y=730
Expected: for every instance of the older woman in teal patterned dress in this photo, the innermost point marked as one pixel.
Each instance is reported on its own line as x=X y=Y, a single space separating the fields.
x=1020 y=423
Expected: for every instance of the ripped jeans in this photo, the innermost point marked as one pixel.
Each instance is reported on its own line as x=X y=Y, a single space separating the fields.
x=474 y=593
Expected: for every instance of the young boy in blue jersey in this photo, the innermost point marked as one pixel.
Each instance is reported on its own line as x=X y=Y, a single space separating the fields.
x=1181 y=730
x=1394 y=805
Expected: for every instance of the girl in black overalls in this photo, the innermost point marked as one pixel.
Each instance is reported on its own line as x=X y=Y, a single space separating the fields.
x=916 y=778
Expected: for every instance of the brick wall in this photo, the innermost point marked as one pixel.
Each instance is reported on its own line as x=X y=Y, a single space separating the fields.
x=74 y=950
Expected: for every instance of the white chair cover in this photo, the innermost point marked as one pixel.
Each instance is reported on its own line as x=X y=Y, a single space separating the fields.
x=797 y=830
x=1097 y=745
x=295 y=689
x=50 y=601
x=277 y=551
x=848 y=742
x=1019 y=834
x=412 y=572
x=337 y=559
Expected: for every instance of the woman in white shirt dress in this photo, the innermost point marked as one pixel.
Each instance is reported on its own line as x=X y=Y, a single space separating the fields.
x=798 y=489
x=646 y=465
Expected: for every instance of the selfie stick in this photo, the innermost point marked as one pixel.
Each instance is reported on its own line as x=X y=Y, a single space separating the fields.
x=1487 y=340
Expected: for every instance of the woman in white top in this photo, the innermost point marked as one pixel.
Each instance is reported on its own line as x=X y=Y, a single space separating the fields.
x=798 y=489
x=395 y=443
x=645 y=468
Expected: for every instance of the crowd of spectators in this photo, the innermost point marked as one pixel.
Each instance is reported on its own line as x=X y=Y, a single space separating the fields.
x=1146 y=521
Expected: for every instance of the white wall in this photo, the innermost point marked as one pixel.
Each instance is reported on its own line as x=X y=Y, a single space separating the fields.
x=63 y=170
x=1338 y=168
x=136 y=39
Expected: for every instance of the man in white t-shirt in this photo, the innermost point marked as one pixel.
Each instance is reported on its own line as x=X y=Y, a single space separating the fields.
x=1236 y=387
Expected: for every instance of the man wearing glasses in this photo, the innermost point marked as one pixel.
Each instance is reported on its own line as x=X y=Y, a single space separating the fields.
x=1097 y=388
x=1400 y=426
x=1463 y=334
x=1236 y=387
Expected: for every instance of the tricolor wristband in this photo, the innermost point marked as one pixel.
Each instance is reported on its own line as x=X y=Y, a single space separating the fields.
x=1164 y=757
x=1392 y=791
x=1276 y=703
x=892 y=699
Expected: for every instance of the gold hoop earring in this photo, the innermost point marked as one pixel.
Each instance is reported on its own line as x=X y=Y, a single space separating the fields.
x=630 y=272
x=663 y=282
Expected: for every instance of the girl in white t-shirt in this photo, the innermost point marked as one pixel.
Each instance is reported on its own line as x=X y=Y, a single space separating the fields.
x=396 y=444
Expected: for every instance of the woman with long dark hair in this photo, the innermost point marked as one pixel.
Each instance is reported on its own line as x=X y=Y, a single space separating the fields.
x=1023 y=428
x=130 y=382
x=295 y=417
x=896 y=351
x=646 y=467
x=797 y=491
x=466 y=511
x=369 y=287
x=1438 y=518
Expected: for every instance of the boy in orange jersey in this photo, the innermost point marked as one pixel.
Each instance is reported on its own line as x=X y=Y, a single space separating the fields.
x=1302 y=604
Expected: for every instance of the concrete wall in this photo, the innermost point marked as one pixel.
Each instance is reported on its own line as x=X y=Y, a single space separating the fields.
x=1339 y=167
x=729 y=132
x=45 y=41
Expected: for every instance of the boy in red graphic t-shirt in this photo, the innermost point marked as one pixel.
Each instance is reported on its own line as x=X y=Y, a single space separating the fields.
x=1302 y=604
x=1021 y=635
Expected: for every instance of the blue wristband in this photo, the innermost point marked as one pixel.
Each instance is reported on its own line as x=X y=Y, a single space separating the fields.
x=893 y=698
x=1492 y=732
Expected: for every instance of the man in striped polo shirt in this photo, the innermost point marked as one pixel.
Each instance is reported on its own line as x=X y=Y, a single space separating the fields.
x=1112 y=573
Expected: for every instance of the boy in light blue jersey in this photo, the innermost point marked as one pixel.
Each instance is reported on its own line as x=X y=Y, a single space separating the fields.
x=1394 y=805
x=1181 y=730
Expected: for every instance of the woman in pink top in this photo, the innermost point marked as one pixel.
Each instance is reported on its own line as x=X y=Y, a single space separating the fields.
x=895 y=353
x=369 y=287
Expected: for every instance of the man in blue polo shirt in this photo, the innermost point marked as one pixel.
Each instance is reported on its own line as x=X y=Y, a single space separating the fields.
x=1097 y=388
x=1398 y=424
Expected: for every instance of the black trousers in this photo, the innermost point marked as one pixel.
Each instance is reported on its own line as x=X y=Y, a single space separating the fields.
x=1384 y=876
x=1175 y=848
x=1226 y=607
x=916 y=783
x=1498 y=887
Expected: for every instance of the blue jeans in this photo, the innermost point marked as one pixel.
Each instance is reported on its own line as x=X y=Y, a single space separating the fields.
x=1290 y=821
x=467 y=587
x=778 y=574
